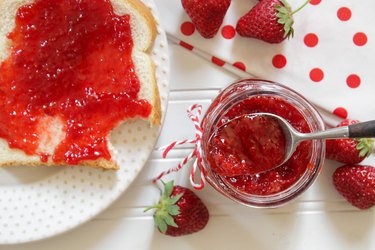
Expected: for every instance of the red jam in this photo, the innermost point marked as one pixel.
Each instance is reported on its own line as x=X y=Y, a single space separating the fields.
x=71 y=60
x=247 y=145
x=279 y=179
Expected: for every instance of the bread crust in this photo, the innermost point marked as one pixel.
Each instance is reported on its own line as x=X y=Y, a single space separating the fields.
x=147 y=15
x=154 y=118
x=156 y=111
x=99 y=163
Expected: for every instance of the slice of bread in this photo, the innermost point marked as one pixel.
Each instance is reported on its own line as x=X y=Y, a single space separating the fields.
x=143 y=29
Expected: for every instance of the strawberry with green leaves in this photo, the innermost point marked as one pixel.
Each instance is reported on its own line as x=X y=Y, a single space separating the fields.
x=269 y=20
x=350 y=151
x=179 y=211
x=357 y=184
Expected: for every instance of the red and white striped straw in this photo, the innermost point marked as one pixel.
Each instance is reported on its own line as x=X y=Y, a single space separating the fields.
x=196 y=153
x=213 y=59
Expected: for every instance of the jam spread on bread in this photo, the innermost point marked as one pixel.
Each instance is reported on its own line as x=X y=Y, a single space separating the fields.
x=71 y=60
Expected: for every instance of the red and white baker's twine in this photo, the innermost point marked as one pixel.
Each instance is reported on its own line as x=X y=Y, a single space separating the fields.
x=196 y=153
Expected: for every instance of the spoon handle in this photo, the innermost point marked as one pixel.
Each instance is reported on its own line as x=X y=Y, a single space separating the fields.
x=333 y=133
x=362 y=130
x=359 y=130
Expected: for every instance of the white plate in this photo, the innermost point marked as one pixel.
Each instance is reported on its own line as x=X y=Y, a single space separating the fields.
x=37 y=203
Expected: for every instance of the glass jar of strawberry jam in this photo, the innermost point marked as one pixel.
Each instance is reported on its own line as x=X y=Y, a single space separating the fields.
x=270 y=188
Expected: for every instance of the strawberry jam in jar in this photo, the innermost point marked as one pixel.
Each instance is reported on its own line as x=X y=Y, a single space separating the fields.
x=230 y=151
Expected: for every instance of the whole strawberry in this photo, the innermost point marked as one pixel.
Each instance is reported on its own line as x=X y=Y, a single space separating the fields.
x=207 y=15
x=179 y=211
x=357 y=184
x=350 y=151
x=269 y=20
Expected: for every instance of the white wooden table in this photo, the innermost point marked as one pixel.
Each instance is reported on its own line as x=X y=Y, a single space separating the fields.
x=319 y=219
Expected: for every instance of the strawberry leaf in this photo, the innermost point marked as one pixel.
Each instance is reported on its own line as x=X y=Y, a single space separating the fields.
x=291 y=32
x=281 y=20
x=281 y=9
x=365 y=146
x=173 y=210
x=288 y=28
x=170 y=221
x=168 y=189
x=162 y=226
x=175 y=198
x=288 y=24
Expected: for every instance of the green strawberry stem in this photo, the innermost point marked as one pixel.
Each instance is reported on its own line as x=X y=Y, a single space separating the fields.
x=301 y=7
x=152 y=207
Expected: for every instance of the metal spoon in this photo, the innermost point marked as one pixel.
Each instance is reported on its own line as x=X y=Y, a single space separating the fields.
x=293 y=137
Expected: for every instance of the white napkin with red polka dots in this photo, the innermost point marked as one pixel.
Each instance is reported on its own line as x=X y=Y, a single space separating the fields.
x=330 y=60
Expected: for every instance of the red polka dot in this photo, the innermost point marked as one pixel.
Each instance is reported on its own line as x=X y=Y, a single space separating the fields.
x=311 y=40
x=217 y=61
x=315 y=2
x=316 y=75
x=341 y=112
x=186 y=45
x=360 y=39
x=344 y=13
x=353 y=81
x=240 y=65
x=279 y=61
x=228 y=32
x=187 y=28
